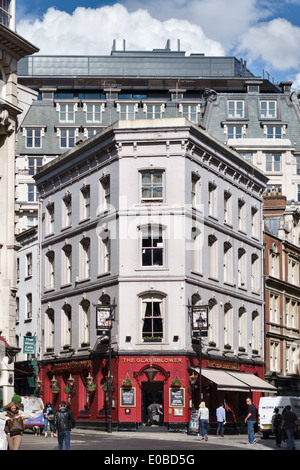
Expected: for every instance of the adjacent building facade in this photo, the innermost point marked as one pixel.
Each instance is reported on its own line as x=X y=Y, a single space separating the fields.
x=12 y=49
x=282 y=256
x=151 y=218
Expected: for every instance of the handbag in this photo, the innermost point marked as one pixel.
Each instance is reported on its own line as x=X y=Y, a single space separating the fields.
x=14 y=426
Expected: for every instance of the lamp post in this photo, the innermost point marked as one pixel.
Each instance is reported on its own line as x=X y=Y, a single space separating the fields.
x=104 y=319
x=199 y=318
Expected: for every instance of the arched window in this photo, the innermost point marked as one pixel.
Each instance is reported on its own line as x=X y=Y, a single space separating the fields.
x=66 y=264
x=152 y=317
x=49 y=329
x=228 y=324
x=84 y=322
x=66 y=326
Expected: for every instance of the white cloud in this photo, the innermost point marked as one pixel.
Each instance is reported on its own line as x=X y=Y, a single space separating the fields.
x=91 y=31
x=276 y=42
x=222 y=21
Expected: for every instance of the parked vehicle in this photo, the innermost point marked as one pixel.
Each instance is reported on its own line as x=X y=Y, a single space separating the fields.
x=34 y=406
x=266 y=411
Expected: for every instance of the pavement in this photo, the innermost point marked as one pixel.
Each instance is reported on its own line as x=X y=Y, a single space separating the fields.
x=239 y=441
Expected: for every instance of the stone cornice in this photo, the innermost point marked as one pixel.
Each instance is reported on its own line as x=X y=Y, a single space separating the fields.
x=16 y=45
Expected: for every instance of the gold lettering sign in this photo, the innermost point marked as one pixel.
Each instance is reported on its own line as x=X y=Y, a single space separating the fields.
x=223 y=365
x=152 y=360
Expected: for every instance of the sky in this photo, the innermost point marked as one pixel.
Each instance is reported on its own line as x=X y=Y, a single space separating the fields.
x=265 y=33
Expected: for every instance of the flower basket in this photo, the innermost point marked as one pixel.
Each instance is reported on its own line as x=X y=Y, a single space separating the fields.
x=67 y=389
x=176 y=383
x=91 y=388
x=127 y=382
x=54 y=389
x=104 y=387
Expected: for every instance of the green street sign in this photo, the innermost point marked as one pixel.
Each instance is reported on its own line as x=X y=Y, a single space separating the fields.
x=29 y=345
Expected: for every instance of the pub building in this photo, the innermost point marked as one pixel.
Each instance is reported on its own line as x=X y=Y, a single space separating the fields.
x=151 y=257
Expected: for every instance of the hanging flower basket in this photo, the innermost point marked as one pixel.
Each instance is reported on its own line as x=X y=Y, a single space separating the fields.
x=67 y=389
x=104 y=387
x=91 y=388
x=127 y=382
x=176 y=383
x=54 y=389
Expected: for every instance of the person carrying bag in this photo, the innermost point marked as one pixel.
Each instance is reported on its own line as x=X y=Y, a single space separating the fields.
x=14 y=424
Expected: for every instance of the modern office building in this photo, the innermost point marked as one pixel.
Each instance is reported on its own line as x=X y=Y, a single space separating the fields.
x=152 y=220
x=78 y=96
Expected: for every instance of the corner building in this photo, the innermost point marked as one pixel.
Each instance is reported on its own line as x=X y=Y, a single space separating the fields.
x=151 y=217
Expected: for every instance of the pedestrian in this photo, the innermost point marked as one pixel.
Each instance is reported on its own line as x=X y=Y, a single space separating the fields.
x=221 y=419
x=289 y=424
x=204 y=419
x=276 y=426
x=152 y=410
x=251 y=420
x=14 y=425
x=62 y=424
x=48 y=418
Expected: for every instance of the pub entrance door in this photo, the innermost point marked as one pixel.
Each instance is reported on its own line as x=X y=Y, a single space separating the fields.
x=152 y=392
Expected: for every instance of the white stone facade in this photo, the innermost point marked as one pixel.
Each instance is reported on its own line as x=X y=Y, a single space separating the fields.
x=151 y=217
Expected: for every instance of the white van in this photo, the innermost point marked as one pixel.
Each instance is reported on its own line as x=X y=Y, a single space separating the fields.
x=266 y=411
x=34 y=407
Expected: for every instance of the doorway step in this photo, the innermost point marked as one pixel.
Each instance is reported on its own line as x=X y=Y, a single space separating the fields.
x=152 y=429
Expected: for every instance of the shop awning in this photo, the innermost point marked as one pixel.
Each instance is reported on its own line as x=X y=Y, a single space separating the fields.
x=236 y=381
x=254 y=383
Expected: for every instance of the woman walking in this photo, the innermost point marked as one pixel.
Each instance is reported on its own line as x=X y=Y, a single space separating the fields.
x=204 y=418
x=48 y=418
x=14 y=425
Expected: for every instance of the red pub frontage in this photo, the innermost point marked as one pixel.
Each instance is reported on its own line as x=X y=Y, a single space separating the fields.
x=140 y=380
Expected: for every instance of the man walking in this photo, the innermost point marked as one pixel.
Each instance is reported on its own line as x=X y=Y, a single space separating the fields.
x=289 y=424
x=63 y=423
x=153 y=409
x=251 y=420
x=221 y=420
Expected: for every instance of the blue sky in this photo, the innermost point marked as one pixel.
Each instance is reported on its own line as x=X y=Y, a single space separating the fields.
x=266 y=33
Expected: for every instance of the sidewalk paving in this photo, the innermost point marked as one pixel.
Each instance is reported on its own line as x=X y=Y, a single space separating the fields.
x=240 y=441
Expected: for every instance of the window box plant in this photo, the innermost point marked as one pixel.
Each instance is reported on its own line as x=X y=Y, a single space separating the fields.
x=85 y=344
x=49 y=349
x=66 y=347
x=212 y=344
x=152 y=339
x=242 y=349
x=254 y=351
x=227 y=346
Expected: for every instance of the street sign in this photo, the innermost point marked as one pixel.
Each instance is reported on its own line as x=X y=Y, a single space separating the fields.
x=29 y=345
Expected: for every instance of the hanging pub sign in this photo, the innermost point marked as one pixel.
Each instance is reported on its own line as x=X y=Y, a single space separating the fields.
x=103 y=317
x=200 y=317
x=29 y=345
